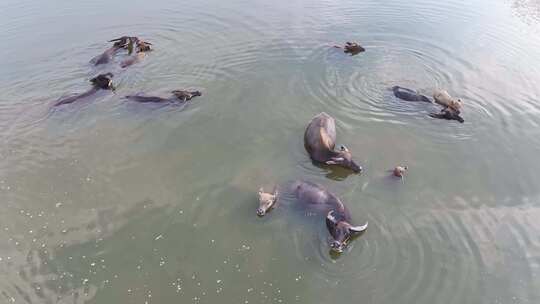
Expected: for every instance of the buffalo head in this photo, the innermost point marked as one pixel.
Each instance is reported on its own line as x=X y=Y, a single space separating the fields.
x=341 y=231
x=266 y=201
x=343 y=158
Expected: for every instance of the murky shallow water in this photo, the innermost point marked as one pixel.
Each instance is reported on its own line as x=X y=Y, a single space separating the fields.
x=107 y=201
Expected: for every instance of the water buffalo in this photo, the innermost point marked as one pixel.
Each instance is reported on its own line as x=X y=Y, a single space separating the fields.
x=100 y=82
x=444 y=99
x=178 y=95
x=267 y=201
x=352 y=48
x=123 y=42
x=314 y=197
x=320 y=139
x=142 y=47
x=408 y=94
x=452 y=106
x=399 y=171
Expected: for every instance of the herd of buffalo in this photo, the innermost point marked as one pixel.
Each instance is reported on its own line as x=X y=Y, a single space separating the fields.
x=319 y=139
x=136 y=51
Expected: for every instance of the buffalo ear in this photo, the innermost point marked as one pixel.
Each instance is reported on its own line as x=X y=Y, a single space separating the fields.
x=261 y=190
x=331 y=223
x=357 y=229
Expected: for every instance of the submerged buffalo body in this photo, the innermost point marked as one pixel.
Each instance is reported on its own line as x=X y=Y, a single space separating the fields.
x=180 y=96
x=320 y=141
x=106 y=56
x=314 y=197
x=408 y=94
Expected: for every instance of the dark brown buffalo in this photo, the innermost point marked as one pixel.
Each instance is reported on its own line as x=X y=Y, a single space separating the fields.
x=352 y=48
x=178 y=95
x=100 y=82
x=320 y=141
x=409 y=95
x=123 y=42
x=448 y=114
